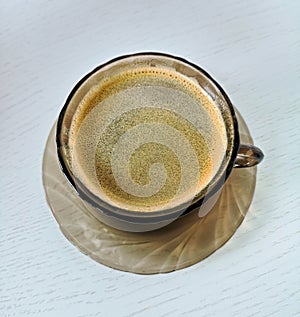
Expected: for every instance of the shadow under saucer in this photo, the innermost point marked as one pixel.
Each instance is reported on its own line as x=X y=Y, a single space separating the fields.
x=184 y=242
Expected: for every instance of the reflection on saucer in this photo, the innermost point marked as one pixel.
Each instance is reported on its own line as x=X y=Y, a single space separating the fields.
x=186 y=241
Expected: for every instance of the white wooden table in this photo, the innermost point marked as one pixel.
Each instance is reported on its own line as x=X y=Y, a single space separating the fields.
x=253 y=49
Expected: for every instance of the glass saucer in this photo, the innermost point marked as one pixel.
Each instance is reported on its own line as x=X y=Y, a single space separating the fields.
x=184 y=242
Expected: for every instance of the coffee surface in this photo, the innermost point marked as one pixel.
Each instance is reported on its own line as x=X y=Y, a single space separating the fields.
x=146 y=139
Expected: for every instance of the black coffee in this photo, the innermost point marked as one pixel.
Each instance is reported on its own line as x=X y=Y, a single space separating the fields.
x=146 y=139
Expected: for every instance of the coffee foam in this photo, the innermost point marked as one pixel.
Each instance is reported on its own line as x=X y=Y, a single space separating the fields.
x=139 y=99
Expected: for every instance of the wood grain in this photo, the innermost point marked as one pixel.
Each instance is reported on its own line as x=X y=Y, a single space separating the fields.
x=252 y=48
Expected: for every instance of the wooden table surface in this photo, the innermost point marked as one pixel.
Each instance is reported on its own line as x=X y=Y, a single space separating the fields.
x=253 y=49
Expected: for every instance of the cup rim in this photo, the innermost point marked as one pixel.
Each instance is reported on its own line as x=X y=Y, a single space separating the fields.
x=137 y=216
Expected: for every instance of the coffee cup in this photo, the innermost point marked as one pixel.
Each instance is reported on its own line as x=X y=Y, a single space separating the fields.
x=147 y=138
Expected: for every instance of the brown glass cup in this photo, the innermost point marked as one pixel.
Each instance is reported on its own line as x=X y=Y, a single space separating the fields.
x=236 y=155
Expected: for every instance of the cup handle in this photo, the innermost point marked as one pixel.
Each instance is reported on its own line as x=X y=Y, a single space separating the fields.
x=248 y=155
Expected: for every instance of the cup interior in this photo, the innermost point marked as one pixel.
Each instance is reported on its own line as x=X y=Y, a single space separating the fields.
x=80 y=117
